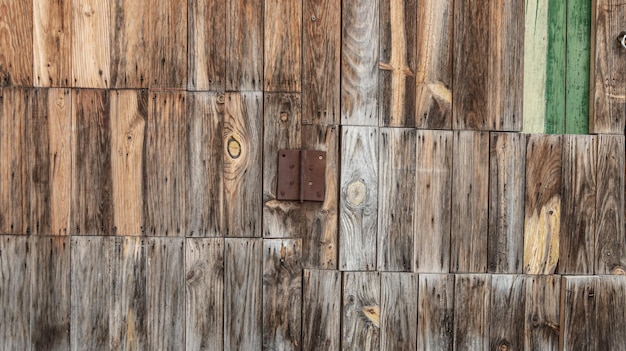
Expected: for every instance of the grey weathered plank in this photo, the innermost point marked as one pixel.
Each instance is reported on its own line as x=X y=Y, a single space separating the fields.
x=471 y=311
x=15 y=293
x=360 y=311
x=282 y=54
x=207 y=33
x=243 y=289
x=507 y=312
x=435 y=312
x=359 y=62
x=358 y=198
x=542 y=312
x=167 y=38
x=321 y=306
x=579 y=327
x=507 y=163
x=432 y=201
x=91 y=43
x=398 y=311
x=16 y=61
x=282 y=294
x=204 y=281
x=396 y=201
x=129 y=36
x=610 y=313
x=244 y=45
x=470 y=202
x=51 y=43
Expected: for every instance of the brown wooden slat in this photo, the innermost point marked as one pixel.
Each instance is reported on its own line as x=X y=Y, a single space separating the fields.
x=610 y=313
x=16 y=43
x=398 y=311
x=91 y=52
x=167 y=39
x=435 y=316
x=360 y=311
x=578 y=313
x=244 y=45
x=52 y=43
x=471 y=311
x=321 y=305
x=507 y=312
x=207 y=33
x=129 y=44
x=15 y=293
x=542 y=312
x=282 y=46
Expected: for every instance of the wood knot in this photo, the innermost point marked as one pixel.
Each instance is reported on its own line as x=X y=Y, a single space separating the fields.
x=356 y=193
x=220 y=99
x=373 y=314
x=284 y=116
x=233 y=147
x=618 y=271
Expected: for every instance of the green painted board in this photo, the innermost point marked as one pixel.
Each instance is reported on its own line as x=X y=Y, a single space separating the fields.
x=578 y=66
x=555 y=68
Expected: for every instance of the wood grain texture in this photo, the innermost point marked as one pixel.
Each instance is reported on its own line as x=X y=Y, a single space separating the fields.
x=398 y=311
x=204 y=282
x=15 y=292
x=91 y=43
x=321 y=306
x=610 y=316
x=535 y=57
x=52 y=66
x=471 y=311
x=243 y=289
x=244 y=45
x=359 y=62
x=130 y=34
x=470 y=202
x=205 y=114
x=360 y=327
x=542 y=321
x=167 y=40
x=435 y=312
x=396 y=202
x=578 y=215
x=16 y=43
x=610 y=244
x=556 y=34
x=243 y=164
x=282 y=294
x=166 y=173
x=397 y=63
x=321 y=61
x=92 y=199
x=206 y=65
x=579 y=296
x=282 y=46
x=542 y=203
x=507 y=163
x=432 y=201
x=281 y=130
x=358 y=198
x=507 y=312
x=433 y=78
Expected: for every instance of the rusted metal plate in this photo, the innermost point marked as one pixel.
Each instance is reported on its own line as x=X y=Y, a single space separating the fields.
x=301 y=175
x=288 y=175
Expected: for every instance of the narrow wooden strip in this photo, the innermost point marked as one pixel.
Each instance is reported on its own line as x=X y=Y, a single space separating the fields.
x=91 y=43
x=398 y=311
x=359 y=198
x=610 y=313
x=507 y=312
x=435 y=314
x=129 y=44
x=16 y=61
x=471 y=311
x=52 y=66
x=15 y=292
x=542 y=312
x=360 y=311
x=167 y=39
x=207 y=44
x=535 y=49
x=244 y=45
x=321 y=310
x=555 y=67
x=578 y=313
x=282 y=46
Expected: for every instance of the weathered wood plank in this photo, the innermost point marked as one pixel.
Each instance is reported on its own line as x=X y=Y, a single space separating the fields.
x=321 y=63
x=166 y=165
x=359 y=62
x=578 y=203
x=91 y=50
x=535 y=56
x=243 y=164
x=167 y=38
x=361 y=311
x=610 y=313
x=470 y=202
x=432 y=201
x=542 y=312
x=92 y=200
x=435 y=25
x=321 y=306
x=243 y=289
x=359 y=198
x=507 y=312
x=578 y=313
x=555 y=67
x=610 y=243
x=542 y=203
x=396 y=203
x=130 y=34
x=435 y=313
x=52 y=43
x=244 y=45
x=15 y=292
x=16 y=43
x=281 y=130
x=398 y=311
x=507 y=163
x=282 y=294
x=206 y=64
x=282 y=46
x=471 y=311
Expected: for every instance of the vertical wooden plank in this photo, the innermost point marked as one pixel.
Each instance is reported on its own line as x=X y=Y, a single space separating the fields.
x=166 y=164
x=243 y=289
x=52 y=66
x=507 y=312
x=435 y=312
x=359 y=62
x=91 y=55
x=15 y=293
x=542 y=312
x=92 y=200
x=432 y=200
x=282 y=294
x=578 y=216
x=542 y=203
x=471 y=311
x=283 y=46
x=281 y=130
x=321 y=305
x=398 y=311
x=359 y=198
x=165 y=293
x=610 y=313
x=396 y=77
x=207 y=44
x=321 y=61
x=361 y=311
x=610 y=243
x=244 y=45
x=507 y=163
x=535 y=49
x=90 y=292
x=204 y=266
x=470 y=202
x=555 y=67
x=168 y=43
x=50 y=289
x=396 y=203
x=243 y=163
x=16 y=43
x=129 y=44
x=578 y=313
x=205 y=113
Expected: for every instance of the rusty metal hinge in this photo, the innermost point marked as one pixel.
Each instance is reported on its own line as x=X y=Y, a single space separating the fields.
x=301 y=175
